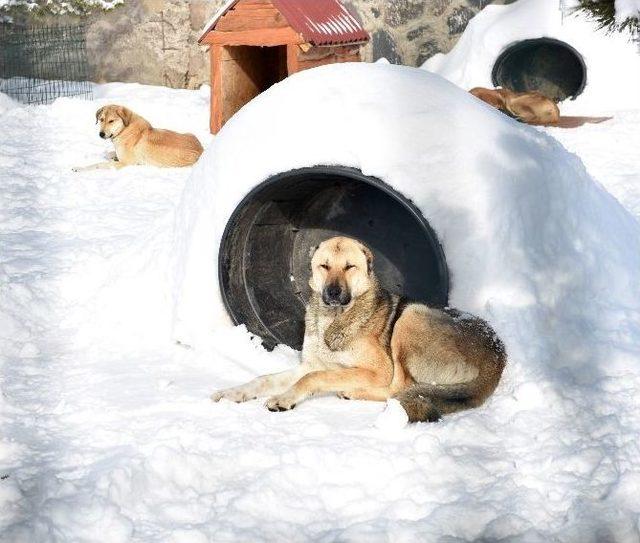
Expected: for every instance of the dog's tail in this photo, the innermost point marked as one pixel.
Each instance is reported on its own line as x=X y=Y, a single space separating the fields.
x=426 y=402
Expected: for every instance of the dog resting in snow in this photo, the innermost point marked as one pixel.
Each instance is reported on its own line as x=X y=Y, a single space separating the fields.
x=362 y=342
x=137 y=142
x=528 y=107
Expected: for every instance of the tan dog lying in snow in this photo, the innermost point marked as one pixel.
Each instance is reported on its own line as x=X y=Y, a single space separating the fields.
x=361 y=342
x=137 y=142
x=528 y=107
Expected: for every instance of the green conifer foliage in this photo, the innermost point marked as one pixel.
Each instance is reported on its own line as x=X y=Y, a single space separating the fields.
x=603 y=12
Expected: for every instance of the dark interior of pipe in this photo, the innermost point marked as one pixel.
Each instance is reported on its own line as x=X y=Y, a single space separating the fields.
x=547 y=65
x=267 y=244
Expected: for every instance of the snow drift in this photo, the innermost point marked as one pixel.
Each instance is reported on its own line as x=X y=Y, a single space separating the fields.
x=612 y=60
x=533 y=244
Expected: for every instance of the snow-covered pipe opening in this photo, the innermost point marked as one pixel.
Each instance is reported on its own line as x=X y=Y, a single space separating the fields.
x=264 y=257
x=547 y=65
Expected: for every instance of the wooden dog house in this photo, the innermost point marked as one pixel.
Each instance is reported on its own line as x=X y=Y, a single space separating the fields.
x=256 y=43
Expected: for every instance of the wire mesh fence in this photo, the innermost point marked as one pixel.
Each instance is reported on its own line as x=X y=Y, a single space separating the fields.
x=40 y=64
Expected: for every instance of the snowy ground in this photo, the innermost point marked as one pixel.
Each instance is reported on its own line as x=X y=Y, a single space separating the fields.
x=108 y=433
x=607 y=151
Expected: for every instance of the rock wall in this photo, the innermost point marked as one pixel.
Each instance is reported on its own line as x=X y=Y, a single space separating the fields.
x=410 y=31
x=155 y=41
x=150 y=41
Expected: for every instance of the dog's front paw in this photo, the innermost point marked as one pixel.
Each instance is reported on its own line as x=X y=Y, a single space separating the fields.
x=283 y=402
x=232 y=394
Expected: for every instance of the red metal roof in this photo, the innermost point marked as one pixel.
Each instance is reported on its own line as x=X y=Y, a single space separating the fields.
x=321 y=22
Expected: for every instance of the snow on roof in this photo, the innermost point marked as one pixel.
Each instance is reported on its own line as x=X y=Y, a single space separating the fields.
x=321 y=22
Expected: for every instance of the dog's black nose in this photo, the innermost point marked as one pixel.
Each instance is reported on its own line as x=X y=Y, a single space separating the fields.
x=334 y=294
x=334 y=291
x=102 y=134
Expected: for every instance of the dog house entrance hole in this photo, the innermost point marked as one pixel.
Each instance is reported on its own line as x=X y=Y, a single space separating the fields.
x=267 y=245
x=549 y=66
x=246 y=71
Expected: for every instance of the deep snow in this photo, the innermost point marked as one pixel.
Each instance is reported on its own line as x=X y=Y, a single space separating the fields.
x=107 y=433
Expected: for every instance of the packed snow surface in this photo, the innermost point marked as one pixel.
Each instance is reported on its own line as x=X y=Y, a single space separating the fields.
x=107 y=433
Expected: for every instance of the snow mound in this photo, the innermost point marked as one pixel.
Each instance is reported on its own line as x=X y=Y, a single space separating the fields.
x=612 y=60
x=533 y=244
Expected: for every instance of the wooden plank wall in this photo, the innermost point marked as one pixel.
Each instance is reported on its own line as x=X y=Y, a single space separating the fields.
x=215 y=112
x=252 y=22
x=251 y=15
x=319 y=56
x=247 y=71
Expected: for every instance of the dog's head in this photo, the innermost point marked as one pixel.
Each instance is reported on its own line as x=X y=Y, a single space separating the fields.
x=113 y=120
x=493 y=97
x=341 y=271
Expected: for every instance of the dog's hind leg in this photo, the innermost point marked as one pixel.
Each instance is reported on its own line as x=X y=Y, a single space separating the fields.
x=379 y=393
x=266 y=385
x=342 y=380
x=374 y=394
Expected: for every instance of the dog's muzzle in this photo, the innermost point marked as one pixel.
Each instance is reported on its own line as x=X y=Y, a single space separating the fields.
x=335 y=295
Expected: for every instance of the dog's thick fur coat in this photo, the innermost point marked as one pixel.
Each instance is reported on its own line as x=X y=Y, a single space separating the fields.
x=363 y=343
x=528 y=107
x=137 y=142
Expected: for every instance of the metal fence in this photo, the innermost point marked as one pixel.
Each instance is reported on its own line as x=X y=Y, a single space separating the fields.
x=40 y=64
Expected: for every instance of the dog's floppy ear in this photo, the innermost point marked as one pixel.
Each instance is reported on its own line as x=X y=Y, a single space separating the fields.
x=312 y=251
x=312 y=282
x=369 y=256
x=125 y=114
x=98 y=113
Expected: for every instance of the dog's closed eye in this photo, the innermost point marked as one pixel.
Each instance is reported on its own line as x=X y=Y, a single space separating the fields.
x=348 y=267
x=324 y=266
